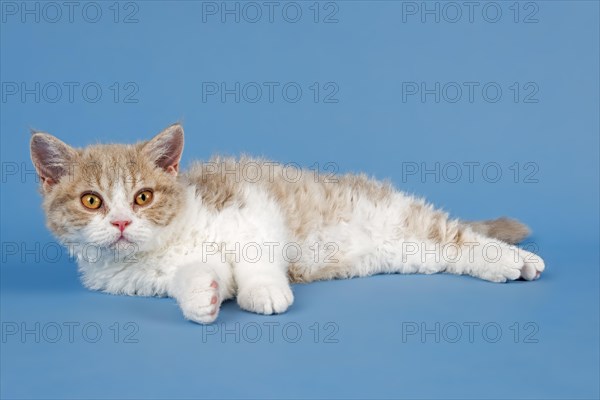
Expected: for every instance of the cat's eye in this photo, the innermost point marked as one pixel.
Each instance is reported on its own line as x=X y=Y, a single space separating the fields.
x=143 y=198
x=91 y=201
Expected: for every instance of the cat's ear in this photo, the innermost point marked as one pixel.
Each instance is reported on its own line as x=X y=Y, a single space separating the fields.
x=51 y=158
x=165 y=148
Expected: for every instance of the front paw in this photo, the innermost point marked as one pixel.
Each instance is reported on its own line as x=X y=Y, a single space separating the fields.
x=200 y=300
x=265 y=299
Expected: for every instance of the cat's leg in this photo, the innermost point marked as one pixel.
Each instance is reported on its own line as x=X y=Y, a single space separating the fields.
x=496 y=261
x=412 y=237
x=263 y=285
x=475 y=255
x=200 y=288
x=255 y=244
x=433 y=242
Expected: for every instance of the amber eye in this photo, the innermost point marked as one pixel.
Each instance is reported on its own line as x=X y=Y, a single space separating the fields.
x=91 y=201
x=143 y=198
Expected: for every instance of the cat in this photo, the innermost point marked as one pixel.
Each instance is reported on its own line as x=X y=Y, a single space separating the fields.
x=247 y=227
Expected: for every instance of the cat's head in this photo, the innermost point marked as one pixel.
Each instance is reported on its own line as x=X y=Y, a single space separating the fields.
x=110 y=196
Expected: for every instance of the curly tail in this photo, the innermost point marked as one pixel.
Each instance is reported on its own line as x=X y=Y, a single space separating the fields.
x=506 y=229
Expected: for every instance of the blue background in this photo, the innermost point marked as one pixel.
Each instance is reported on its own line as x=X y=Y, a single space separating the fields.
x=368 y=53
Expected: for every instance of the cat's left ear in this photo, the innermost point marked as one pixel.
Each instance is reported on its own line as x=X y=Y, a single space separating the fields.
x=165 y=149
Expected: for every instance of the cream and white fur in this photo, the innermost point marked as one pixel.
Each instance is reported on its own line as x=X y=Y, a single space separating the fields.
x=214 y=235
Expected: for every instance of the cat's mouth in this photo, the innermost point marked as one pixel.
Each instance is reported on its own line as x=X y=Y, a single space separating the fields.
x=121 y=241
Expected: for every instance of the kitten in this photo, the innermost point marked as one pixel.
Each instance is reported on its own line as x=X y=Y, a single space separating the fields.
x=248 y=227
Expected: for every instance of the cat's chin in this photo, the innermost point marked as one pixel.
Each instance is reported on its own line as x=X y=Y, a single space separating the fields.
x=119 y=252
x=123 y=247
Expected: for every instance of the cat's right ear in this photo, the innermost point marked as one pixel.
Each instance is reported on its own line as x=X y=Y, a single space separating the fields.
x=51 y=158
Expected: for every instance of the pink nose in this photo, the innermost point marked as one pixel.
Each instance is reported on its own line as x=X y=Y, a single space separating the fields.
x=120 y=224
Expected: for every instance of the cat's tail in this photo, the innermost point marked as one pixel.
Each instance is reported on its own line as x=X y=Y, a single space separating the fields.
x=506 y=229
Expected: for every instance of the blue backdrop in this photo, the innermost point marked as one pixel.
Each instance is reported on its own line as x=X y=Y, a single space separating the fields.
x=485 y=108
